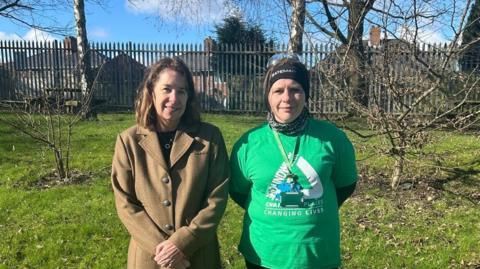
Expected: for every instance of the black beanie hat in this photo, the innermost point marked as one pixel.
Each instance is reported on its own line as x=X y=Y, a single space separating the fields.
x=292 y=70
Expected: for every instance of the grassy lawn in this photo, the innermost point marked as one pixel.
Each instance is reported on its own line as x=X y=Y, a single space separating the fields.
x=432 y=222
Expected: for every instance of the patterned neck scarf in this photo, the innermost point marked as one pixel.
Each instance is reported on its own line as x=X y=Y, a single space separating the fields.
x=292 y=128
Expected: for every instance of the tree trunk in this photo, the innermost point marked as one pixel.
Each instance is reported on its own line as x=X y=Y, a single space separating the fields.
x=356 y=55
x=60 y=165
x=83 y=58
x=397 y=172
x=297 y=26
x=399 y=154
x=356 y=74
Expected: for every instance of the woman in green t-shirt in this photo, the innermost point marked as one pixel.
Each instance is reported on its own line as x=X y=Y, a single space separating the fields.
x=291 y=175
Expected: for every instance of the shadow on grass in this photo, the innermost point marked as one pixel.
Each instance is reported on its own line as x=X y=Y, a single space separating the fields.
x=465 y=180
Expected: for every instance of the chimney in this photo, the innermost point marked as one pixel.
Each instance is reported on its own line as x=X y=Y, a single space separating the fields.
x=375 y=32
x=70 y=42
x=208 y=44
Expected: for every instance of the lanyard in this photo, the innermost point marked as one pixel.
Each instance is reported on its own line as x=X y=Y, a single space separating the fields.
x=282 y=150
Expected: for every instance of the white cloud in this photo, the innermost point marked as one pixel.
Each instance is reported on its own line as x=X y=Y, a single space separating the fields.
x=432 y=36
x=98 y=32
x=192 y=12
x=38 y=35
x=424 y=35
x=31 y=35
x=7 y=36
x=142 y=7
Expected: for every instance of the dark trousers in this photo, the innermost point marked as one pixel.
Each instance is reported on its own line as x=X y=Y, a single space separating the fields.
x=254 y=266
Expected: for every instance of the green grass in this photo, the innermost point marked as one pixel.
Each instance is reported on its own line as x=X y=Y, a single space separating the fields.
x=76 y=226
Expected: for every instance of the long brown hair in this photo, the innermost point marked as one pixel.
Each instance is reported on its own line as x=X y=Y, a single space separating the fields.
x=145 y=113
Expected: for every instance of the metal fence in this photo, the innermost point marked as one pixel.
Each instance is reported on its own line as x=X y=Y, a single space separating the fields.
x=226 y=77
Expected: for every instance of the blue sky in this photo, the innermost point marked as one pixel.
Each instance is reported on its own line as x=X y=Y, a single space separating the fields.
x=149 y=21
x=121 y=22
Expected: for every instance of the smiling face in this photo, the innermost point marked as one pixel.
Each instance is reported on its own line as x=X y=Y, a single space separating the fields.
x=170 y=99
x=286 y=99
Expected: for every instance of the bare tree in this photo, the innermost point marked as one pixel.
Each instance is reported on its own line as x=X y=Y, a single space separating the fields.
x=83 y=53
x=41 y=14
x=297 y=24
x=352 y=14
x=35 y=14
x=412 y=88
x=50 y=122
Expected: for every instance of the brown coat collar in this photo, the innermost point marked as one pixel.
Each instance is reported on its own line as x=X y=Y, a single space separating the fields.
x=183 y=140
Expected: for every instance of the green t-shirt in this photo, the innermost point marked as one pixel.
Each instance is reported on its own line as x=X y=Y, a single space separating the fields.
x=304 y=232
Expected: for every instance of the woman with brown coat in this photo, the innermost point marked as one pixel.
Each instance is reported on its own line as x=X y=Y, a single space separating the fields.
x=170 y=175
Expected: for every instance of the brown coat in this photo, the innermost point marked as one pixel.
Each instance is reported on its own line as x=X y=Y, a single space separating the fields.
x=183 y=204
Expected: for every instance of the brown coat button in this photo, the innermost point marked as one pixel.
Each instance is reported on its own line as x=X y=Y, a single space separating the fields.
x=165 y=180
x=168 y=227
x=166 y=203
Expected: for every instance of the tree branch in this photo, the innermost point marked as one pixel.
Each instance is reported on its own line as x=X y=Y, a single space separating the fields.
x=333 y=24
x=317 y=25
x=13 y=5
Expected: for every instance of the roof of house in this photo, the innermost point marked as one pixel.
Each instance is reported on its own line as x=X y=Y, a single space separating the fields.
x=401 y=51
x=123 y=58
x=62 y=59
x=197 y=61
